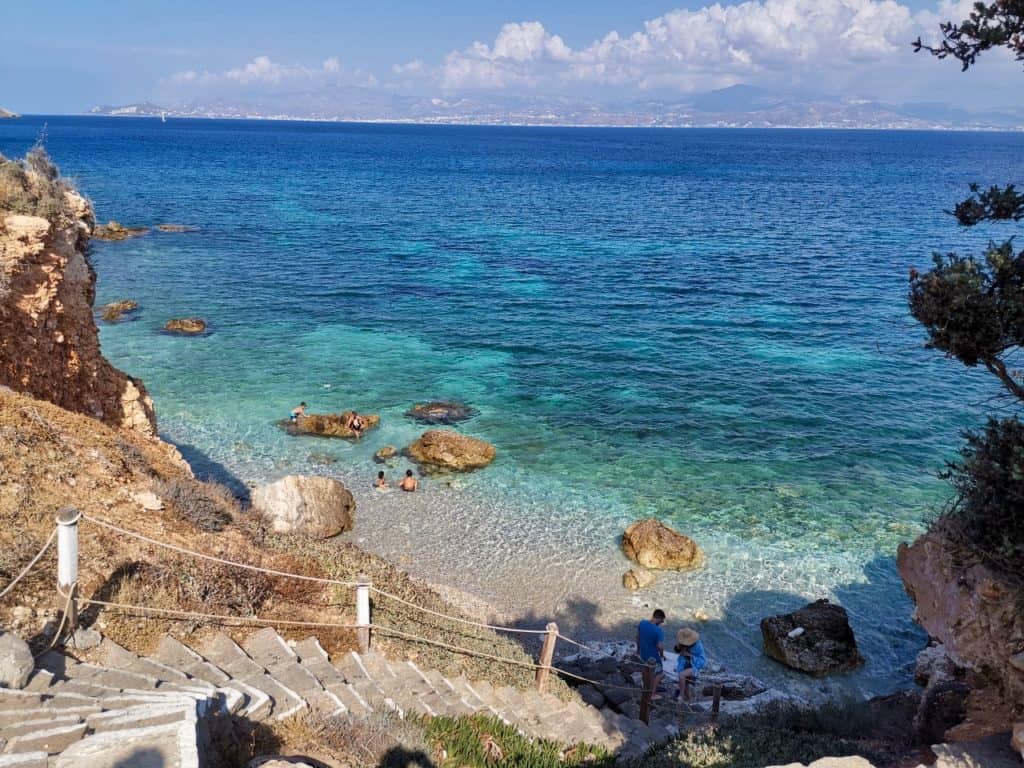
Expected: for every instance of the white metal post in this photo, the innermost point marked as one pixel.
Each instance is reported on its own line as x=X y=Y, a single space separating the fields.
x=363 y=612
x=67 y=562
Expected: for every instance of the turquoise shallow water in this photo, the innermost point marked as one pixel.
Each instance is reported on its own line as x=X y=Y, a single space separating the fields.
x=709 y=327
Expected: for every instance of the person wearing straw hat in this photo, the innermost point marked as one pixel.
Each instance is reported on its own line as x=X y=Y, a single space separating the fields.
x=692 y=659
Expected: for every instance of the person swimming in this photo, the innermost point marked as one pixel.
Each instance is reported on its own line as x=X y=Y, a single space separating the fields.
x=380 y=482
x=409 y=482
x=299 y=410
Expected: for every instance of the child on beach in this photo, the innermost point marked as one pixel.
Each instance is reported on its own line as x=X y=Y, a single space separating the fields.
x=409 y=482
x=692 y=659
x=380 y=483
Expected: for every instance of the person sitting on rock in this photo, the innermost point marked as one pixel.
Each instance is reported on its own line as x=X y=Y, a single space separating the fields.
x=380 y=482
x=650 y=647
x=692 y=659
x=298 y=411
x=356 y=424
x=409 y=482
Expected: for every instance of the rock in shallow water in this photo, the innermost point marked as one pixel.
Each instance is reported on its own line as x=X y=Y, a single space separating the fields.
x=441 y=412
x=445 y=449
x=653 y=544
x=113 y=230
x=115 y=311
x=826 y=645
x=318 y=506
x=384 y=454
x=330 y=424
x=637 y=578
x=189 y=326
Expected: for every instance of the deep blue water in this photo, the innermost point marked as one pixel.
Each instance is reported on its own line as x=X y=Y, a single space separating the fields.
x=707 y=326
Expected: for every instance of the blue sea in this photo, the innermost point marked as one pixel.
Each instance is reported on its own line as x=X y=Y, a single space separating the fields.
x=709 y=327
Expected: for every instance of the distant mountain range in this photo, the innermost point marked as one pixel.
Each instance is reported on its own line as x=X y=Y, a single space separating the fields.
x=740 y=106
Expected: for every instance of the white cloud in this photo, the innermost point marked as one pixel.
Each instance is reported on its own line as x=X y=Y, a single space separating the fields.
x=708 y=47
x=263 y=71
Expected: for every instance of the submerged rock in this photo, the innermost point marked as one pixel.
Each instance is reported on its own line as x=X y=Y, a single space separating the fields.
x=115 y=311
x=448 y=450
x=174 y=228
x=826 y=645
x=637 y=578
x=653 y=544
x=113 y=230
x=318 y=506
x=189 y=326
x=383 y=455
x=441 y=412
x=330 y=424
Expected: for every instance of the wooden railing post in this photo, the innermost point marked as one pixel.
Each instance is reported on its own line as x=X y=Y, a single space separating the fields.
x=648 y=691
x=67 y=564
x=363 y=612
x=547 y=655
x=716 y=703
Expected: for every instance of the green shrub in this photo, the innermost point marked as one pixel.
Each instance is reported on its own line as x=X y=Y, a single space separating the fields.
x=33 y=187
x=483 y=741
x=989 y=479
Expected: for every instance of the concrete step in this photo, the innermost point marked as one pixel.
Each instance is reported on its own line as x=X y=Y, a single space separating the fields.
x=137 y=717
x=314 y=658
x=36 y=724
x=177 y=655
x=223 y=652
x=65 y=668
x=24 y=760
x=15 y=716
x=50 y=740
x=172 y=745
x=267 y=648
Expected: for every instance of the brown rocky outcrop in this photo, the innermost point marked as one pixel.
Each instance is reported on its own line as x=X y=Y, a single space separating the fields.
x=116 y=310
x=385 y=454
x=637 y=578
x=816 y=639
x=187 y=326
x=112 y=230
x=447 y=450
x=653 y=544
x=317 y=506
x=977 y=614
x=331 y=424
x=49 y=343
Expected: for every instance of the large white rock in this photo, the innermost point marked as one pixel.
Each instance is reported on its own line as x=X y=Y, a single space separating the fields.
x=318 y=506
x=16 y=662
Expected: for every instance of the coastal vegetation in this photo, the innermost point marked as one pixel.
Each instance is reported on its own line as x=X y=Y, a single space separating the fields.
x=973 y=310
x=32 y=186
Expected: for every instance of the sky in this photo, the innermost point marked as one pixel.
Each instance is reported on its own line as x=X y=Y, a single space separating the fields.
x=78 y=55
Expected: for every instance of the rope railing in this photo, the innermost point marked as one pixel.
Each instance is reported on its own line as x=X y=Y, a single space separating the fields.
x=68 y=575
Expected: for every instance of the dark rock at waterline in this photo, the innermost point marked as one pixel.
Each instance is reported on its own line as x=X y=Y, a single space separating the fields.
x=187 y=326
x=441 y=412
x=817 y=639
x=175 y=228
x=113 y=230
x=115 y=311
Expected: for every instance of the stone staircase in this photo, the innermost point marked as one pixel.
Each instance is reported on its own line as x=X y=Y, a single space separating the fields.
x=125 y=710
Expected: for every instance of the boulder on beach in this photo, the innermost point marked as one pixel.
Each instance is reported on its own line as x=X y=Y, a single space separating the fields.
x=330 y=424
x=318 y=506
x=441 y=412
x=385 y=454
x=637 y=578
x=447 y=450
x=113 y=230
x=816 y=639
x=116 y=310
x=653 y=544
x=189 y=326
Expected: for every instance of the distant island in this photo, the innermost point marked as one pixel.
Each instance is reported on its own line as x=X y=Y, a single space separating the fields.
x=4 y=113
x=739 y=106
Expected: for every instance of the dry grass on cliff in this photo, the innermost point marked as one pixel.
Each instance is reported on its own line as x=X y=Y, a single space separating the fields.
x=32 y=186
x=50 y=458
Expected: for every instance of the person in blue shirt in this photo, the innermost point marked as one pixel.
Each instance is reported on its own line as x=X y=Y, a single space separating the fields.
x=692 y=659
x=650 y=647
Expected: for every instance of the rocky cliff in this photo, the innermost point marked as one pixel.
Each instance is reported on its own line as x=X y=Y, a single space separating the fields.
x=49 y=343
x=977 y=612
